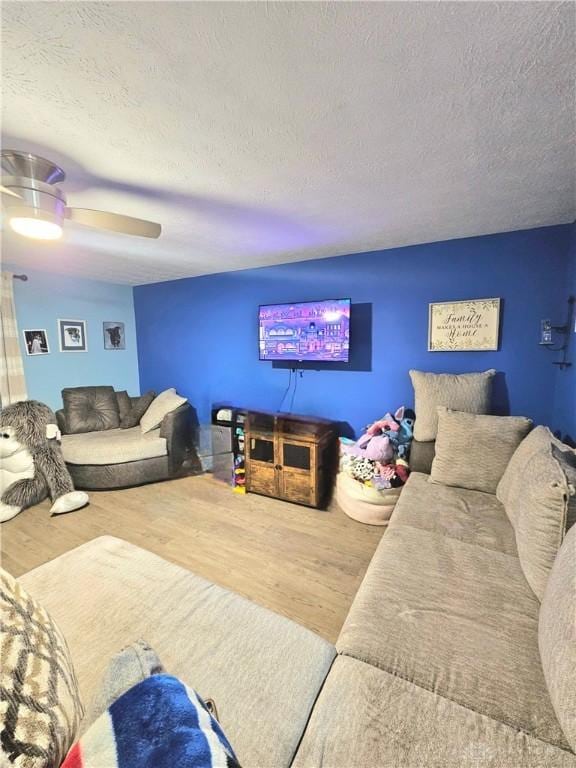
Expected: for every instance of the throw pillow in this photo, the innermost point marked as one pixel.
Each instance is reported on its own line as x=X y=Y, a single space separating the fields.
x=472 y=451
x=556 y=637
x=539 y=512
x=130 y=666
x=124 y=404
x=41 y=708
x=139 y=407
x=469 y=392
x=90 y=409
x=513 y=480
x=159 y=722
x=166 y=402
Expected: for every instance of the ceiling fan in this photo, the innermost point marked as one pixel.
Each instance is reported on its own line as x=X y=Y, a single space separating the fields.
x=36 y=206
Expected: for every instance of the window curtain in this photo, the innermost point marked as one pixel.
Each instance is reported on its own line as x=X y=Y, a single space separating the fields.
x=12 y=381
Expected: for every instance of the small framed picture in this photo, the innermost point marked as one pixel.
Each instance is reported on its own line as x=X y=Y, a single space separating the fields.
x=72 y=335
x=36 y=342
x=114 y=337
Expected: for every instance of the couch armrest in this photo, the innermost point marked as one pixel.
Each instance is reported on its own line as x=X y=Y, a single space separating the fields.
x=61 y=420
x=176 y=427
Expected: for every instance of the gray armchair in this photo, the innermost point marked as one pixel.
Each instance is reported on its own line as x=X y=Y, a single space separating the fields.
x=111 y=457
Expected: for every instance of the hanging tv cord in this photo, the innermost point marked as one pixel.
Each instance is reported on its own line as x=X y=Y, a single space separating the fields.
x=292 y=370
x=299 y=374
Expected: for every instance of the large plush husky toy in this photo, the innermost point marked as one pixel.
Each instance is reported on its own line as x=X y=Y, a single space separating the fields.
x=31 y=463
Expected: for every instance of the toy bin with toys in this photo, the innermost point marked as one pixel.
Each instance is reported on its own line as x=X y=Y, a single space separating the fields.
x=373 y=469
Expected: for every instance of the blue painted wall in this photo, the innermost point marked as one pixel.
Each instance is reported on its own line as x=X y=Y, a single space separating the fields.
x=200 y=334
x=43 y=299
x=564 y=416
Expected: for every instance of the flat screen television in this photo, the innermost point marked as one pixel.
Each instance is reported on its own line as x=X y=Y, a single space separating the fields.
x=305 y=331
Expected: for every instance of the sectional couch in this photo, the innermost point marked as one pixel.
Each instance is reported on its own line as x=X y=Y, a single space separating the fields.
x=447 y=658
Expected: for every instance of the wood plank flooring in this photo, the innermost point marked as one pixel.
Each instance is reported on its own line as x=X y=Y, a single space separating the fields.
x=303 y=563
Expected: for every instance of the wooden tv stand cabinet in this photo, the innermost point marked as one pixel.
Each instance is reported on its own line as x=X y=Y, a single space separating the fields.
x=290 y=457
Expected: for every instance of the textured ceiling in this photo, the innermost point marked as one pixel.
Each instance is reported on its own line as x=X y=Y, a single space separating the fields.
x=260 y=133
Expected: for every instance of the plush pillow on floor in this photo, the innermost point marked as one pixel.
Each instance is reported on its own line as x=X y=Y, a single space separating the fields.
x=41 y=708
x=472 y=451
x=469 y=392
x=539 y=511
x=556 y=637
x=138 y=409
x=90 y=409
x=165 y=403
x=159 y=722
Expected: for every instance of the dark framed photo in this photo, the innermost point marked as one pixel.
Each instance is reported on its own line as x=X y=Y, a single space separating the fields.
x=72 y=335
x=114 y=337
x=36 y=341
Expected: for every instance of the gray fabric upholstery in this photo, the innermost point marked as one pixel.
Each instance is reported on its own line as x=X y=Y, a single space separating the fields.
x=163 y=404
x=90 y=409
x=124 y=404
x=539 y=510
x=456 y=619
x=139 y=407
x=470 y=392
x=105 y=477
x=557 y=636
x=130 y=666
x=263 y=670
x=176 y=429
x=422 y=456
x=114 y=446
x=472 y=450
x=61 y=420
x=512 y=480
x=367 y=718
x=470 y=516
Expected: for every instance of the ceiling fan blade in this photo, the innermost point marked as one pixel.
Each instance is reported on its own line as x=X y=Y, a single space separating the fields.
x=115 y=222
x=6 y=191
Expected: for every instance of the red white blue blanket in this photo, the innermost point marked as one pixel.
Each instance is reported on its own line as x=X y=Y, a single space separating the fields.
x=159 y=723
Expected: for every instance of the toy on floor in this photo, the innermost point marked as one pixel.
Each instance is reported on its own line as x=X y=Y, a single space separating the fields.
x=31 y=463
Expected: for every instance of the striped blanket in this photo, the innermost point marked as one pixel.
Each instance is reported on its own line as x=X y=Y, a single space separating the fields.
x=159 y=723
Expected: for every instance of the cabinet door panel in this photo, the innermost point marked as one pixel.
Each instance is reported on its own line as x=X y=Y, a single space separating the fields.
x=296 y=486
x=262 y=479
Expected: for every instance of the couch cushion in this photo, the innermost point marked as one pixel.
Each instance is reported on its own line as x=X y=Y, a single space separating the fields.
x=470 y=516
x=513 y=479
x=557 y=636
x=367 y=718
x=161 y=406
x=114 y=446
x=90 y=409
x=540 y=513
x=124 y=404
x=263 y=671
x=139 y=406
x=456 y=619
x=422 y=456
x=472 y=450
x=470 y=392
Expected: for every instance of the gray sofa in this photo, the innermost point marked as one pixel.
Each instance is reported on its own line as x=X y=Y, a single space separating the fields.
x=119 y=458
x=447 y=658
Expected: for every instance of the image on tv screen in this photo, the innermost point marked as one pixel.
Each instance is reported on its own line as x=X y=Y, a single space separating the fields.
x=311 y=330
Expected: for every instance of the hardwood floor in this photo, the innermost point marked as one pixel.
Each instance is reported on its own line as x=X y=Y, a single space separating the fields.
x=303 y=563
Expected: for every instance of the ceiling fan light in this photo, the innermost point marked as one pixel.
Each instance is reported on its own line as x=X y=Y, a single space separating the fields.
x=38 y=225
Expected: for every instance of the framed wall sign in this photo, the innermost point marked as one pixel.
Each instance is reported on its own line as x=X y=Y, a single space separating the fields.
x=463 y=326
x=72 y=335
